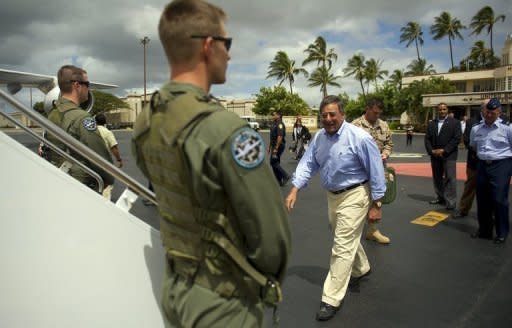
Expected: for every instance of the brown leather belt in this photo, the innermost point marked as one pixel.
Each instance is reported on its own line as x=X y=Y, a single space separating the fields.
x=349 y=187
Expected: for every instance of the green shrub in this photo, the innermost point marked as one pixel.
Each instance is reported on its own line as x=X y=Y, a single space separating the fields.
x=394 y=125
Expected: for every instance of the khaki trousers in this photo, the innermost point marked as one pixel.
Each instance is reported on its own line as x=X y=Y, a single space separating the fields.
x=347 y=216
x=188 y=305
x=107 y=192
x=466 y=200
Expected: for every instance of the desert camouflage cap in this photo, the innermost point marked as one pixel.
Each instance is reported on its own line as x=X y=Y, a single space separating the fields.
x=493 y=104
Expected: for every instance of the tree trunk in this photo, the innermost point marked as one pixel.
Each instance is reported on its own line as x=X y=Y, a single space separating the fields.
x=362 y=88
x=417 y=49
x=492 y=49
x=451 y=53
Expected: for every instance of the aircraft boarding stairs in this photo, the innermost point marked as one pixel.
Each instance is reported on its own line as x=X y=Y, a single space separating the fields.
x=71 y=258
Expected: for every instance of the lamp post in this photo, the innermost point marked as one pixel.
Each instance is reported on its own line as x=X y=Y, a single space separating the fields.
x=144 y=41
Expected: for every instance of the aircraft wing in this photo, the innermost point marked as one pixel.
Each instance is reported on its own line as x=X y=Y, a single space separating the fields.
x=15 y=80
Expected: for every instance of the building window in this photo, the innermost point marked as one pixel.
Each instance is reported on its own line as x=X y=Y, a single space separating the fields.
x=483 y=85
x=460 y=86
x=500 y=84
x=509 y=84
x=504 y=59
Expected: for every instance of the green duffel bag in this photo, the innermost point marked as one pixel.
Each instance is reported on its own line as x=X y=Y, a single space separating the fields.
x=390 y=194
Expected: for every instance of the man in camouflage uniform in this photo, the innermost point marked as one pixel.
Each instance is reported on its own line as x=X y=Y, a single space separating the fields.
x=381 y=133
x=74 y=88
x=227 y=243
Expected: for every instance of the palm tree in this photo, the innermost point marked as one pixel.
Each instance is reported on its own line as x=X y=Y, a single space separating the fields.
x=485 y=18
x=419 y=67
x=322 y=77
x=317 y=52
x=396 y=78
x=373 y=72
x=283 y=69
x=445 y=25
x=478 y=53
x=480 y=56
x=412 y=32
x=355 y=67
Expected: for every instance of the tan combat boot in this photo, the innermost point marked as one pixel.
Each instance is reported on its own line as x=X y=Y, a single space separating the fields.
x=374 y=234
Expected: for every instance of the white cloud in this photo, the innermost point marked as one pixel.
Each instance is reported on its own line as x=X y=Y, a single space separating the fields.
x=104 y=37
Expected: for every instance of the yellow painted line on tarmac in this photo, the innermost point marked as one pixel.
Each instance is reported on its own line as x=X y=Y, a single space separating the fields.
x=431 y=218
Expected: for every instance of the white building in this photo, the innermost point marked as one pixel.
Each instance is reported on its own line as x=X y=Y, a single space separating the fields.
x=474 y=86
x=241 y=107
x=18 y=116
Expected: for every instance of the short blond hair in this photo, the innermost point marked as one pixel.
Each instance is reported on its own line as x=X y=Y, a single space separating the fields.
x=183 y=18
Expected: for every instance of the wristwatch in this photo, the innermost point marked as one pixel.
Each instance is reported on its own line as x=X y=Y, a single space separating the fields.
x=378 y=204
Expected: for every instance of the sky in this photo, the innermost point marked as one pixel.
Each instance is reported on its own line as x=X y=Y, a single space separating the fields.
x=103 y=37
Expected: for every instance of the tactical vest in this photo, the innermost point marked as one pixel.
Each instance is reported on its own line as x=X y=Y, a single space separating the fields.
x=54 y=116
x=202 y=245
x=71 y=119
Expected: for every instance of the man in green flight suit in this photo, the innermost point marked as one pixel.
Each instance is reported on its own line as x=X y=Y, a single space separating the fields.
x=223 y=222
x=52 y=156
x=74 y=88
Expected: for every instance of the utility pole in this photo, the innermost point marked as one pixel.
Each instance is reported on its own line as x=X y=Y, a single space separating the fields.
x=144 y=42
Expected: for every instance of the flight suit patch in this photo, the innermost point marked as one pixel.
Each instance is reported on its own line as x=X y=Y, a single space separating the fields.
x=89 y=124
x=247 y=148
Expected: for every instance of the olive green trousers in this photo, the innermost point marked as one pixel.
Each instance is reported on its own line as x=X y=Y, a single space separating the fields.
x=188 y=305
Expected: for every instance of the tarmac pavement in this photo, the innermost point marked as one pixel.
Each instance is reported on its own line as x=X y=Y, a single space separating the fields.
x=427 y=277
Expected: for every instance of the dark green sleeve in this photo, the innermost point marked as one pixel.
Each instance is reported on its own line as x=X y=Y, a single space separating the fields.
x=93 y=139
x=251 y=193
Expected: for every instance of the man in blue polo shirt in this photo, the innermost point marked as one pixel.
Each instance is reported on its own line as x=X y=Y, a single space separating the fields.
x=492 y=141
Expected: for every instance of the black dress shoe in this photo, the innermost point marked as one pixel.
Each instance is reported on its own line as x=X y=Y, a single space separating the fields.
x=458 y=214
x=326 y=312
x=499 y=240
x=356 y=280
x=480 y=235
x=437 y=202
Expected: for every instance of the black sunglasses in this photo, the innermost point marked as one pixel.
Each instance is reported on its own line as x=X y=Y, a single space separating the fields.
x=86 y=83
x=227 y=41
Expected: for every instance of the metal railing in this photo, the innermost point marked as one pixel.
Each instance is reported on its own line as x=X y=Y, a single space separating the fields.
x=81 y=149
x=61 y=152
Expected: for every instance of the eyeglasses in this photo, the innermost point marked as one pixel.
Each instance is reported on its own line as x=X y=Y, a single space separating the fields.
x=227 y=41
x=86 y=83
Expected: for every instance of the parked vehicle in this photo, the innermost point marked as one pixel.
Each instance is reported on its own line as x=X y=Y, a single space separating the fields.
x=252 y=122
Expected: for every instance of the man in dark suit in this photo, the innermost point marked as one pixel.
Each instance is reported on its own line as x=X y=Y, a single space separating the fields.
x=441 y=142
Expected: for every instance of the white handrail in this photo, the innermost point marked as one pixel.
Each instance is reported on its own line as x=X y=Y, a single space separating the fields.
x=81 y=149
